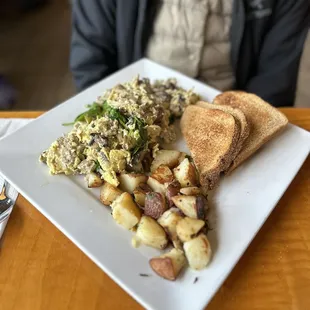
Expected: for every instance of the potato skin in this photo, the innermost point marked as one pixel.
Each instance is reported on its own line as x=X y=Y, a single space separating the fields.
x=201 y=207
x=172 y=189
x=140 y=193
x=169 y=265
x=163 y=267
x=155 y=205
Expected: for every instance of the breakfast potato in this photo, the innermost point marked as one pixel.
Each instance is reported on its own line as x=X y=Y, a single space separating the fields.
x=125 y=212
x=169 y=265
x=140 y=193
x=108 y=193
x=129 y=181
x=188 y=228
x=165 y=158
x=186 y=174
x=158 y=179
x=172 y=189
x=169 y=221
x=156 y=186
x=163 y=175
x=198 y=252
x=93 y=180
x=192 y=206
x=150 y=233
x=190 y=191
x=155 y=205
x=186 y=204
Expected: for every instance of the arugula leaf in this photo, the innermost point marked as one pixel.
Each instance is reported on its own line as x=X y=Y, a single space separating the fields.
x=115 y=114
x=93 y=112
x=142 y=140
x=98 y=110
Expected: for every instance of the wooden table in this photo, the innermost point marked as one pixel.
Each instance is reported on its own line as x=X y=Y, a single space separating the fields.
x=41 y=269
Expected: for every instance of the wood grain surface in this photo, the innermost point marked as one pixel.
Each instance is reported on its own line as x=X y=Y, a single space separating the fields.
x=41 y=269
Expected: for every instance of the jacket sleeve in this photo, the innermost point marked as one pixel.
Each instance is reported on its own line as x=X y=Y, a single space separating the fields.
x=278 y=63
x=93 y=41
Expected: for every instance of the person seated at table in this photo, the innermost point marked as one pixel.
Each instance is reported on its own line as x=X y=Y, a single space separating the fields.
x=251 y=45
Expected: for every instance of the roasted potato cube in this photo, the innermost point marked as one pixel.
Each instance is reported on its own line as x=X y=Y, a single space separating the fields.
x=108 y=193
x=172 y=189
x=186 y=174
x=129 y=181
x=186 y=204
x=169 y=221
x=191 y=206
x=158 y=179
x=93 y=180
x=163 y=175
x=125 y=212
x=190 y=191
x=156 y=186
x=169 y=265
x=198 y=252
x=150 y=233
x=155 y=205
x=140 y=193
x=188 y=228
x=165 y=158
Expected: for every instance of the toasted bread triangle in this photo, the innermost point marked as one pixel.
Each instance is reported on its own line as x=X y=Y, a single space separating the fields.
x=238 y=115
x=212 y=136
x=265 y=121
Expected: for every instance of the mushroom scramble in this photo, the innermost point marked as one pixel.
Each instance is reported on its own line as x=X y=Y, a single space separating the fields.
x=121 y=131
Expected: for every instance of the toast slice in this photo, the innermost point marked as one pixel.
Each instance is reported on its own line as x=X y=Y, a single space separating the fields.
x=265 y=121
x=212 y=136
x=238 y=115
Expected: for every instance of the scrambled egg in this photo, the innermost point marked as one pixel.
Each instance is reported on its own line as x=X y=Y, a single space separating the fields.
x=120 y=130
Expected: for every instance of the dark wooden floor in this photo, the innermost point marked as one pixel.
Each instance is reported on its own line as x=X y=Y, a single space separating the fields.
x=34 y=56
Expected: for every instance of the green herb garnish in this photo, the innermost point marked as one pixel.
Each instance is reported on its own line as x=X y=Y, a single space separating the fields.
x=115 y=114
x=97 y=110
x=142 y=139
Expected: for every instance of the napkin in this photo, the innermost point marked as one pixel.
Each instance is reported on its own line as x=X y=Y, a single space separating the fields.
x=8 y=126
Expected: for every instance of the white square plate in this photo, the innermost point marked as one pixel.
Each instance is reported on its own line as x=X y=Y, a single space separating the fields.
x=240 y=205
